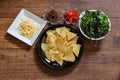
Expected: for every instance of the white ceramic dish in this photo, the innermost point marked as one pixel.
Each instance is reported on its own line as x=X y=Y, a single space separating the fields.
x=37 y=21
x=81 y=15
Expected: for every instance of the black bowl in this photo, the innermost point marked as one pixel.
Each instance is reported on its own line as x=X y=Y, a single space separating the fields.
x=55 y=65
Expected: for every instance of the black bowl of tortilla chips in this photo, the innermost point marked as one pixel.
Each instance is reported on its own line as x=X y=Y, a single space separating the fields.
x=60 y=46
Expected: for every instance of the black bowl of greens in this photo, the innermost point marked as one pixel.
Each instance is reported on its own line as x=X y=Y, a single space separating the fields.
x=94 y=24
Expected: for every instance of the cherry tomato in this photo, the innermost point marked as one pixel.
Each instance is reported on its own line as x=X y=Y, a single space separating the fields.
x=71 y=16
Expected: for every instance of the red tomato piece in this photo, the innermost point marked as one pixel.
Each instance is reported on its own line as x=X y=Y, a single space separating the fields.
x=71 y=16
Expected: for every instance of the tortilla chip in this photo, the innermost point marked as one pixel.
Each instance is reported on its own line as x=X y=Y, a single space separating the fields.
x=49 y=54
x=76 y=49
x=62 y=31
x=58 y=58
x=44 y=47
x=69 y=56
x=70 y=35
x=73 y=41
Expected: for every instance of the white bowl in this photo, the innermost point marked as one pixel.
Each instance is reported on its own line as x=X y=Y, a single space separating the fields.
x=37 y=21
x=81 y=15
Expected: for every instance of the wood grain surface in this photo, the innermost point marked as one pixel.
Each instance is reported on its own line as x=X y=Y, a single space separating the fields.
x=18 y=61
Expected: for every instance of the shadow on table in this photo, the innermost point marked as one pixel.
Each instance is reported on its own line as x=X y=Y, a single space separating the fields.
x=17 y=42
x=49 y=71
x=89 y=48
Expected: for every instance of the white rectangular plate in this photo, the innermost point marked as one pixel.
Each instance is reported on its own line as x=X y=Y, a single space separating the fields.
x=37 y=21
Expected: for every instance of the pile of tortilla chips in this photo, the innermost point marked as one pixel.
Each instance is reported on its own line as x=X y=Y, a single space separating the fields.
x=61 y=45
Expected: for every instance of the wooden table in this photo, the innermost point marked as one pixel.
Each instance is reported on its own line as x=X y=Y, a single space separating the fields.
x=18 y=61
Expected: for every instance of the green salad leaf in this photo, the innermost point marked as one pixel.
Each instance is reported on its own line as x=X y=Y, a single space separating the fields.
x=94 y=24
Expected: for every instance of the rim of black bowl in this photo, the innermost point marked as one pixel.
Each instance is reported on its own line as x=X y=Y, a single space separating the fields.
x=55 y=65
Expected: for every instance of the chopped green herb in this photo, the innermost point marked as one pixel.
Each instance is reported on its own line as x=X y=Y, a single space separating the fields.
x=94 y=24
